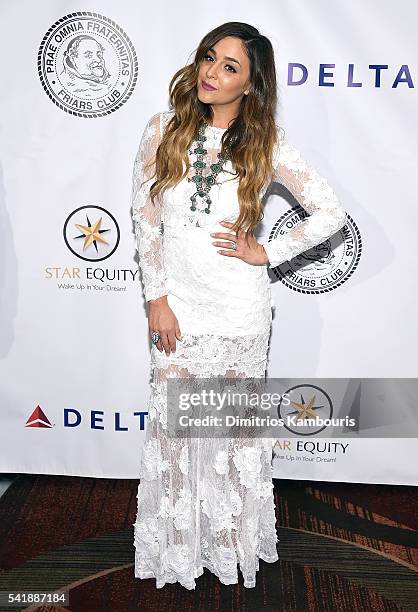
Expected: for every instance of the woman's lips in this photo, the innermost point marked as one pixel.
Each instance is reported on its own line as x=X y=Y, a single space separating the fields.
x=207 y=86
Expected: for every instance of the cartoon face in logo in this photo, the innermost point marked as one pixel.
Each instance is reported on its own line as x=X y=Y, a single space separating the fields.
x=84 y=64
x=87 y=64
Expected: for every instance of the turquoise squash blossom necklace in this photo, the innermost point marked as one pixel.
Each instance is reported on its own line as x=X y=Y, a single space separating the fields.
x=204 y=183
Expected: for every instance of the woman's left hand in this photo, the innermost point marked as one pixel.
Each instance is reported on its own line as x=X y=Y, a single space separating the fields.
x=252 y=253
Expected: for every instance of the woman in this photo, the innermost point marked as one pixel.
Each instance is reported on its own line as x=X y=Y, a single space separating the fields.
x=209 y=502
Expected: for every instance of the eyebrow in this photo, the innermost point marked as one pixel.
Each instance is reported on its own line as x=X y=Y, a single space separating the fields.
x=231 y=59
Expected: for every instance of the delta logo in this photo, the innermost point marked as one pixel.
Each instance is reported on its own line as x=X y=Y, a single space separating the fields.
x=95 y=419
x=38 y=418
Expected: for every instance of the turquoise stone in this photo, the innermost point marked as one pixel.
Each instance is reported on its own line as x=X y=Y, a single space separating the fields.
x=204 y=183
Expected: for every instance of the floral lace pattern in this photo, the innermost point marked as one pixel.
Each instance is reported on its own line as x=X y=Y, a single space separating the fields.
x=314 y=194
x=208 y=502
x=202 y=502
x=146 y=215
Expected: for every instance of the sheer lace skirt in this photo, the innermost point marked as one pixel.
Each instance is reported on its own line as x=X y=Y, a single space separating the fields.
x=204 y=502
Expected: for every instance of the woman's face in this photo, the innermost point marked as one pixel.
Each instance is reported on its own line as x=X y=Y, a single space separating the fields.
x=227 y=68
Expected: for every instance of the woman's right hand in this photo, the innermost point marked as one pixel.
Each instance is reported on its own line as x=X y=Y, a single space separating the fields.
x=163 y=320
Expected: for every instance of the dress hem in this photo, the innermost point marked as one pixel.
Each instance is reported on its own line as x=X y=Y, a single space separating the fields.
x=198 y=571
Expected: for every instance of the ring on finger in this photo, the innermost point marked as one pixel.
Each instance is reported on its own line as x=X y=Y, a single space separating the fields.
x=155 y=337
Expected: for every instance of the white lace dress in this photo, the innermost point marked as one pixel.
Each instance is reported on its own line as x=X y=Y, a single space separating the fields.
x=209 y=502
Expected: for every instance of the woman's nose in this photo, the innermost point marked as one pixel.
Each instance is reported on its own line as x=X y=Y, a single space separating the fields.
x=211 y=72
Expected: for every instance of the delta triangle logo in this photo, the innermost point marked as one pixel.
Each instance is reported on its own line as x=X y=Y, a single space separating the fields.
x=38 y=418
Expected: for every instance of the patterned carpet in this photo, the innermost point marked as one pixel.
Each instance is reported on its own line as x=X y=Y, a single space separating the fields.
x=343 y=547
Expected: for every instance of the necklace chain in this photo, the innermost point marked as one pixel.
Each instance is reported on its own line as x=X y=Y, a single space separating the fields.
x=204 y=183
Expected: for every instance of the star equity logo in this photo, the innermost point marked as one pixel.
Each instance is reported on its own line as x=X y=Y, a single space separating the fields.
x=91 y=233
x=38 y=419
x=307 y=402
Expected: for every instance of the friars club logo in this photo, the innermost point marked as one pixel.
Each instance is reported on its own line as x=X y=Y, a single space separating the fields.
x=87 y=64
x=323 y=267
x=91 y=233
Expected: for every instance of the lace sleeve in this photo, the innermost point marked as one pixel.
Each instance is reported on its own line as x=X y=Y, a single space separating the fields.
x=314 y=194
x=146 y=215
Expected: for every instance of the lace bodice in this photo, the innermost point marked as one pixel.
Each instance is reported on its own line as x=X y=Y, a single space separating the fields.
x=311 y=190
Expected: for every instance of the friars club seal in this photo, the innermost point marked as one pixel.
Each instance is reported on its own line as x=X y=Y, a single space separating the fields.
x=87 y=64
x=321 y=268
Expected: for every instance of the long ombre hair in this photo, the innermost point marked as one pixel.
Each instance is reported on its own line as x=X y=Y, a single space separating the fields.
x=249 y=140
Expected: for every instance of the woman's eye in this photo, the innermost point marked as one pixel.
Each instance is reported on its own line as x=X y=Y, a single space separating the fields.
x=227 y=65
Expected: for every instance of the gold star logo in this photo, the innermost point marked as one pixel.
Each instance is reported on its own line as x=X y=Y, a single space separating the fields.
x=91 y=233
x=305 y=410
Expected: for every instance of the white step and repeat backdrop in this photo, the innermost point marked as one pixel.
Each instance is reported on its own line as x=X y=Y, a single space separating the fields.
x=79 y=82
